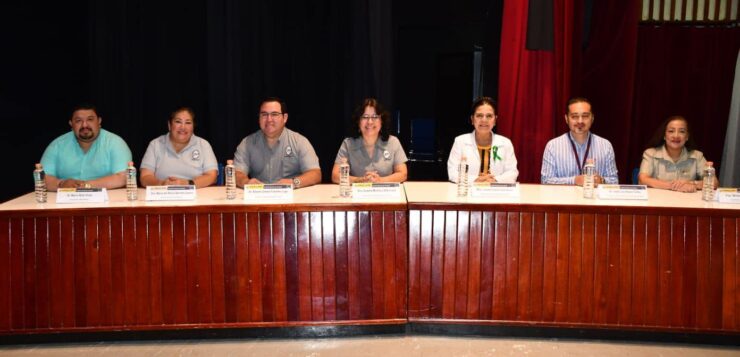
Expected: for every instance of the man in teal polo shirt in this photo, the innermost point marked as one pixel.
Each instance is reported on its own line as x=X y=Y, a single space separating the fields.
x=87 y=156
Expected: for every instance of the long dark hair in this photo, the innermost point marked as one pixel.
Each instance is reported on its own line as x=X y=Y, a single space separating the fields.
x=385 y=117
x=658 y=138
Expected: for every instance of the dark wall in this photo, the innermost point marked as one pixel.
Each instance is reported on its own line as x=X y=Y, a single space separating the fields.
x=138 y=60
x=43 y=73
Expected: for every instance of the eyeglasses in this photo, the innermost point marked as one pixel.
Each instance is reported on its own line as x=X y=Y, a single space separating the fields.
x=481 y=116
x=370 y=117
x=273 y=115
x=584 y=116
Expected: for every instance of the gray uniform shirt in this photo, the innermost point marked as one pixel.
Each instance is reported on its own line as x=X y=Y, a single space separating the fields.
x=656 y=163
x=387 y=155
x=192 y=161
x=290 y=157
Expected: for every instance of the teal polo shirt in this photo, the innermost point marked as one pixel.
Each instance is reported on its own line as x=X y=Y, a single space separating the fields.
x=64 y=158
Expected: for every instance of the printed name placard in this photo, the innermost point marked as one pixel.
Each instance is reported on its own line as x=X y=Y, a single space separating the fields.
x=376 y=190
x=276 y=192
x=82 y=195
x=622 y=192
x=171 y=193
x=728 y=195
x=494 y=189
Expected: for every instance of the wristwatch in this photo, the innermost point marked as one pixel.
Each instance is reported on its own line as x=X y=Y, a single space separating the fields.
x=296 y=182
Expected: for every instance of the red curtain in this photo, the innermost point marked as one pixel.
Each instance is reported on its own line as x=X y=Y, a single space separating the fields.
x=535 y=85
x=606 y=76
x=684 y=71
x=530 y=85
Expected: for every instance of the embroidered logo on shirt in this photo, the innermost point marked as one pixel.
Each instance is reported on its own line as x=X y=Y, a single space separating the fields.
x=288 y=151
x=386 y=155
x=196 y=154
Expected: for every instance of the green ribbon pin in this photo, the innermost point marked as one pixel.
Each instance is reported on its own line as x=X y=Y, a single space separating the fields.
x=494 y=153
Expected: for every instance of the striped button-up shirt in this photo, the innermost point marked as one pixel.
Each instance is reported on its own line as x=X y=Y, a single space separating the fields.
x=559 y=166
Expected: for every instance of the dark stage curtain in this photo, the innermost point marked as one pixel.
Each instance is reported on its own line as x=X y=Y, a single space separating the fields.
x=684 y=71
x=222 y=57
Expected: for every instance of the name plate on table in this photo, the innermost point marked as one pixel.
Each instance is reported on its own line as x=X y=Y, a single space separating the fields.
x=493 y=190
x=728 y=195
x=258 y=192
x=82 y=195
x=376 y=190
x=171 y=193
x=622 y=192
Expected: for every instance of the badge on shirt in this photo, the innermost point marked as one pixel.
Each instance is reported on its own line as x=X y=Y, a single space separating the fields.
x=386 y=155
x=288 y=151
x=196 y=154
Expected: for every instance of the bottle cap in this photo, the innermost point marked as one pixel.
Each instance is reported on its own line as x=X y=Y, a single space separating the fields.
x=343 y=160
x=229 y=162
x=130 y=163
x=710 y=163
x=38 y=166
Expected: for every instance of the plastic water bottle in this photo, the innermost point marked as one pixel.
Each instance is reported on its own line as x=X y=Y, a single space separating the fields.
x=707 y=188
x=345 y=189
x=39 y=181
x=230 y=180
x=462 y=177
x=589 y=171
x=132 y=189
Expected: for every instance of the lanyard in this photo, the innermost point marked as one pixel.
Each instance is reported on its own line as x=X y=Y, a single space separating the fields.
x=575 y=153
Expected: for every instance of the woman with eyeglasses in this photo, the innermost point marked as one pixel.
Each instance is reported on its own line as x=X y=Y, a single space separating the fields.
x=179 y=157
x=671 y=161
x=490 y=156
x=373 y=155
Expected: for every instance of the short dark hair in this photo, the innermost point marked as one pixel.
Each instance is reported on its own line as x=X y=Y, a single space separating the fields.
x=658 y=138
x=283 y=106
x=85 y=106
x=183 y=109
x=575 y=100
x=385 y=117
x=477 y=102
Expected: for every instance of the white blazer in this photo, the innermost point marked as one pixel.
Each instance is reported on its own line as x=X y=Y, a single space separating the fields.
x=504 y=170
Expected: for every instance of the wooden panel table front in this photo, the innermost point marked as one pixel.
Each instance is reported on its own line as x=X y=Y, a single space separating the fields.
x=552 y=258
x=317 y=260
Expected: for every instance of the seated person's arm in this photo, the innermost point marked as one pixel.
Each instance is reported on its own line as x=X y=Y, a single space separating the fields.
x=646 y=179
x=116 y=180
x=308 y=178
x=548 y=171
x=148 y=178
x=53 y=183
x=207 y=179
x=243 y=179
x=400 y=174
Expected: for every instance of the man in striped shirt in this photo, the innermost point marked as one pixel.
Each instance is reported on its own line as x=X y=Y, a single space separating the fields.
x=565 y=156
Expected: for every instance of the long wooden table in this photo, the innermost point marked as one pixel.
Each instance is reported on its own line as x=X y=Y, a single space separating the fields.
x=552 y=258
x=547 y=259
x=211 y=263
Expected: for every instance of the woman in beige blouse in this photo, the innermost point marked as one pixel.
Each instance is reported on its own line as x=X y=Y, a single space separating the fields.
x=671 y=161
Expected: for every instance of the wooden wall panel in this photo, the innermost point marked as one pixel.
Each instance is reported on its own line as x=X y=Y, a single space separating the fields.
x=575 y=268
x=5 y=274
x=199 y=269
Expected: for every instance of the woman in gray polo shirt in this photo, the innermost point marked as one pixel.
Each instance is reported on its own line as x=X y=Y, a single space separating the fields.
x=373 y=155
x=179 y=157
x=671 y=161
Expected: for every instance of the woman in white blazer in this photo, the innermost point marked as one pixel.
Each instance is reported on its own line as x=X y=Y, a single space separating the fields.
x=490 y=156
